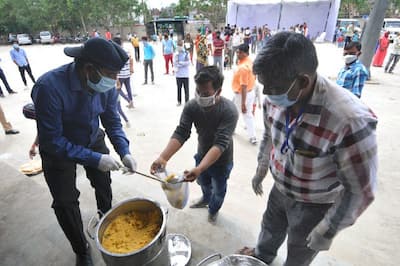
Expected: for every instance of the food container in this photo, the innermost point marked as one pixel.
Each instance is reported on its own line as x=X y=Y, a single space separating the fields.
x=179 y=248
x=231 y=260
x=154 y=253
x=176 y=191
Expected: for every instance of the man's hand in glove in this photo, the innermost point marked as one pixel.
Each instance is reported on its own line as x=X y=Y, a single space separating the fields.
x=256 y=182
x=108 y=163
x=317 y=241
x=130 y=163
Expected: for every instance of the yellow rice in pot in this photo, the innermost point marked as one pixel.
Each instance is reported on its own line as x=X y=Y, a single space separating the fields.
x=131 y=231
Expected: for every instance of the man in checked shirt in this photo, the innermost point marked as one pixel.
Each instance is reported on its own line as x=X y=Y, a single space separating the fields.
x=354 y=74
x=320 y=147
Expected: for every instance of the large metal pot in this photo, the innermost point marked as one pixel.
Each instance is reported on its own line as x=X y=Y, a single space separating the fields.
x=231 y=260
x=153 y=254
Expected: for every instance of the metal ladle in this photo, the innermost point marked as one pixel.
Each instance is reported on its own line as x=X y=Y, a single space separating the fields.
x=126 y=170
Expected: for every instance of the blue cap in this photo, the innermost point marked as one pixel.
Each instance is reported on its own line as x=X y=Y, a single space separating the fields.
x=104 y=53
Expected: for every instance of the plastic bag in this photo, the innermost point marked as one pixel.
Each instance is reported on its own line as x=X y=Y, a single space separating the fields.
x=177 y=193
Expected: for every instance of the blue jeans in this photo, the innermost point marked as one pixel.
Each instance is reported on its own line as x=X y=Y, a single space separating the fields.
x=213 y=182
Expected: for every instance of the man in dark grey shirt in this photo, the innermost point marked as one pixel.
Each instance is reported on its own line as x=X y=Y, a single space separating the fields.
x=215 y=119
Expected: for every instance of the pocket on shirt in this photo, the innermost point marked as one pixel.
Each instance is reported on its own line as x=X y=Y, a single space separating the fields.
x=312 y=166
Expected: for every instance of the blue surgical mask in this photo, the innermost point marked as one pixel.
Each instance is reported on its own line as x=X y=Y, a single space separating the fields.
x=105 y=84
x=205 y=101
x=283 y=99
x=15 y=46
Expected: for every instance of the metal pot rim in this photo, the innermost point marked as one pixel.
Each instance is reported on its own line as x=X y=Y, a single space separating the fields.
x=163 y=224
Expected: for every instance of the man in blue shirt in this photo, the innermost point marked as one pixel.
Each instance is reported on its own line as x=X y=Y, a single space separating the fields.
x=168 y=52
x=69 y=101
x=19 y=57
x=354 y=74
x=148 y=56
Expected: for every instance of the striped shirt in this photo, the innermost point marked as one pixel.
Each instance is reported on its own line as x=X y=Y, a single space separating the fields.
x=125 y=71
x=332 y=155
x=353 y=77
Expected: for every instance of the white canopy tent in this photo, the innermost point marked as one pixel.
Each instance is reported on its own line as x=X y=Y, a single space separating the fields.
x=320 y=15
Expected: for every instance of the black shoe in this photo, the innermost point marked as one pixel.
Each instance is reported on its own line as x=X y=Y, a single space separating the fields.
x=84 y=260
x=212 y=218
x=11 y=132
x=200 y=203
x=2 y=95
x=12 y=92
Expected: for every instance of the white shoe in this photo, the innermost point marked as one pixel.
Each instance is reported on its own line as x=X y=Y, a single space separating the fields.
x=253 y=140
x=26 y=87
x=128 y=125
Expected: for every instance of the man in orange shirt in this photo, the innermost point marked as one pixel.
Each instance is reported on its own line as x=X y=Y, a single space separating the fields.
x=242 y=84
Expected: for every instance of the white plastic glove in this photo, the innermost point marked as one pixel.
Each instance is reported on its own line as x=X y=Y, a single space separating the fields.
x=130 y=163
x=108 y=163
x=256 y=182
x=317 y=241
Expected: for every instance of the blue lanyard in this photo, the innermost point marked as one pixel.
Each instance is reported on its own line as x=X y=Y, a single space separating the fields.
x=288 y=131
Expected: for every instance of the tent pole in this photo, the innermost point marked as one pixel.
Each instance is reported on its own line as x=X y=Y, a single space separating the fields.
x=280 y=16
x=327 y=16
x=237 y=11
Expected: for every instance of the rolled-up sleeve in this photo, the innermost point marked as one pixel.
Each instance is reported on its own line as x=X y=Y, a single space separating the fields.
x=112 y=124
x=48 y=106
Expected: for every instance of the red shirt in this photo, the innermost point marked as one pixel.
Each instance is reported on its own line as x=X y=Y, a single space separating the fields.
x=218 y=46
x=108 y=35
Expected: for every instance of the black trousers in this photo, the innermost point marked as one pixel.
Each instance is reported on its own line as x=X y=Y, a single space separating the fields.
x=3 y=78
x=60 y=176
x=147 y=64
x=393 y=58
x=22 y=70
x=185 y=83
x=347 y=40
x=137 y=54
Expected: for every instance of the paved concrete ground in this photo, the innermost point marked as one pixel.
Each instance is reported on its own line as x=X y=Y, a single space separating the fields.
x=30 y=235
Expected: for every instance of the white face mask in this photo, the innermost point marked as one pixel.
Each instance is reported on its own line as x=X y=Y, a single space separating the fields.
x=349 y=58
x=180 y=48
x=205 y=101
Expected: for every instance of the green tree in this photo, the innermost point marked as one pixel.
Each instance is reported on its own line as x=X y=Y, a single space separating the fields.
x=214 y=10
x=71 y=15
